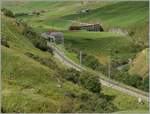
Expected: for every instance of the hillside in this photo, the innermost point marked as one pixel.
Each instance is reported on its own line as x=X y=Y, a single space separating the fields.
x=30 y=85
x=100 y=42
x=140 y=64
x=128 y=16
x=33 y=80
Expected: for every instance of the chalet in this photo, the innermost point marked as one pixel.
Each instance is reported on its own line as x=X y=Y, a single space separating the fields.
x=53 y=36
x=88 y=27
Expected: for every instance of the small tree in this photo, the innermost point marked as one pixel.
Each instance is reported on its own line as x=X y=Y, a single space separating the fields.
x=90 y=81
x=4 y=42
x=91 y=62
x=72 y=75
x=7 y=12
x=35 y=38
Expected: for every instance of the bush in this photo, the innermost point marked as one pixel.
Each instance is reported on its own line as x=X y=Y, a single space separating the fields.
x=91 y=82
x=36 y=39
x=104 y=105
x=145 y=85
x=131 y=80
x=45 y=61
x=7 y=12
x=92 y=62
x=66 y=106
x=86 y=79
x=74 y=28
x=4 y=42
x=72 y=75
x=20 y=14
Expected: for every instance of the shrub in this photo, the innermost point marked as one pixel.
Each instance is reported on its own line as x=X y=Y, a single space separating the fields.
x=7 y=12
x=145 y=85
x=72 y=75
x=74 y=28
x=131 y=80
x=71 y=49
x=90 y=81
x=45 y=61
x=134 y=81
x=41 y=44
x=66 y=106
x=103 y=105
x=92 y=62
x=86 y=79
x=20 y=14
x=36 y=39
x=4 y=42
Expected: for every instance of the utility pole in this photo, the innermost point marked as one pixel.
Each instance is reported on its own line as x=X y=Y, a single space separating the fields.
x=63 y=42
x=109 y=68
x=80 y=57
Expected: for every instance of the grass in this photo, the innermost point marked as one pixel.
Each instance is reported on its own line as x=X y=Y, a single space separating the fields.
x=123 y=101
x=100 y=42
x=130 y=16
x=27 y=85
x=71 y=55
x=120 y=14
x=140 y=64
x=30 y=86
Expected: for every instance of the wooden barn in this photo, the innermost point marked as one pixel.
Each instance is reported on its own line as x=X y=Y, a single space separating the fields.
x=88 y=27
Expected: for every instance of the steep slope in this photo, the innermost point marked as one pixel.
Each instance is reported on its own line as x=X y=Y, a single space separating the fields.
x=100 y=42
x=140 y=64
x=32 y=84
x=129 y=16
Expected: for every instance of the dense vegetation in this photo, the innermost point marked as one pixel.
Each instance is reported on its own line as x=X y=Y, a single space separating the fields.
x=132 y=80
x=36 y=39
x=7 y=12
x=121 y=75
x=86 y=79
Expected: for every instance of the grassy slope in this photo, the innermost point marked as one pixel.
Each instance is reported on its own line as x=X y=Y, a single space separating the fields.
x=140 y=64
x=129 y=16
x=53 y=23
x=98 y=43
x=132 y=16
x=110 y=14
x=27 y=85
x=52 y=18
x=122 y=14
x=124 y=102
